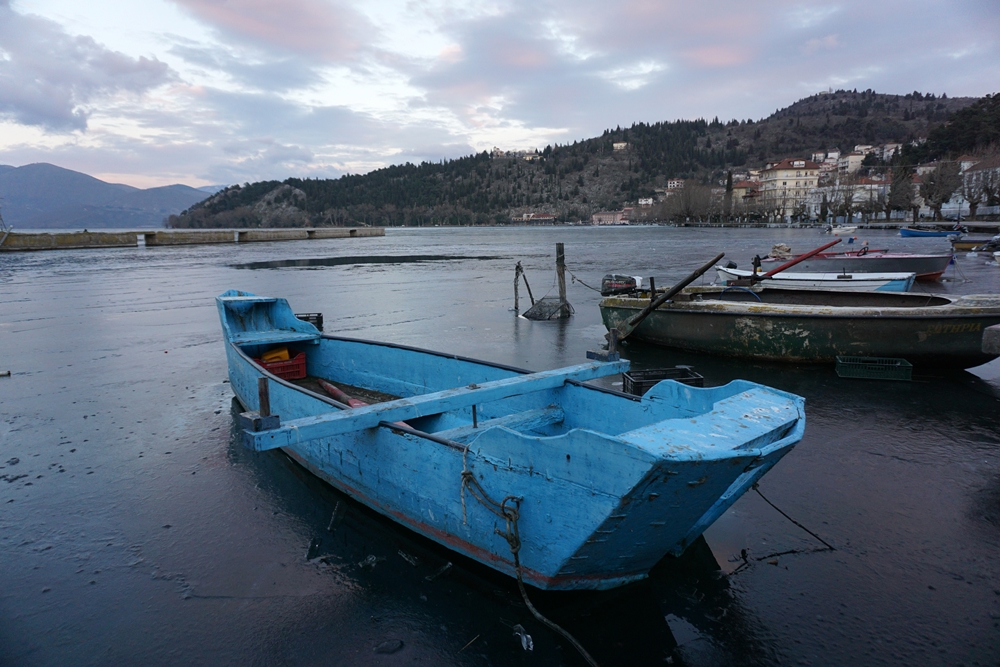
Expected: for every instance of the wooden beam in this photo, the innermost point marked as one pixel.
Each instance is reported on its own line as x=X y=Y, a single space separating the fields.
x=528 y=420
x=336 y=423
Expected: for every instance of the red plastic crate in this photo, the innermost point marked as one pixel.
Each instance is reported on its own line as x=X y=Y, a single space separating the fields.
x=293 y=369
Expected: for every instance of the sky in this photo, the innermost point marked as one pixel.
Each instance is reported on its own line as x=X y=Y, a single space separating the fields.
x=215 y=92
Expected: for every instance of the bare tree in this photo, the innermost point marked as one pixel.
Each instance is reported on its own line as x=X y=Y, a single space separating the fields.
x=972 y=192
x=939 y=185
x=692 y=201
x=901 y=190
x=846 y=195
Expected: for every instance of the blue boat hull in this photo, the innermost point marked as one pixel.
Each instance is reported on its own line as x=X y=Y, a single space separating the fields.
x=605 y=484
x=906 y=232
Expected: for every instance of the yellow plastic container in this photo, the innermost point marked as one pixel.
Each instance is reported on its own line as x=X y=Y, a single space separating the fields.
x=277 y=354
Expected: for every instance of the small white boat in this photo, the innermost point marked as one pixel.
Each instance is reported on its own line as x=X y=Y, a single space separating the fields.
x=852 y=282
x=839 y=231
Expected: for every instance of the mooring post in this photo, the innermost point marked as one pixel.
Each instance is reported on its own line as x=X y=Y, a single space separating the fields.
x=517 y=278
x=652 y=289
x=561 y=271
x=263 y=397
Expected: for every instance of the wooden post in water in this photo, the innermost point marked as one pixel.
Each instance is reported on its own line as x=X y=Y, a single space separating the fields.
x=517 y=279
x=561 y=271
x=548 y=308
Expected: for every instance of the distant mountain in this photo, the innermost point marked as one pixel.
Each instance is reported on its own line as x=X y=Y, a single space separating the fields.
x=44 y=196
x=212 y=189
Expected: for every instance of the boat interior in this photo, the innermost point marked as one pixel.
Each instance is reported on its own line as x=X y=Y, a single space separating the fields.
x=455 y=392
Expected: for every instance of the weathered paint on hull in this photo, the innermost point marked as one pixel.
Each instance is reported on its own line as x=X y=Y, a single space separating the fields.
x=608 y=483
x=764 y=331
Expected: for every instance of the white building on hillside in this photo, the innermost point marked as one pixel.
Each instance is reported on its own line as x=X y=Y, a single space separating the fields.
x=785 y=186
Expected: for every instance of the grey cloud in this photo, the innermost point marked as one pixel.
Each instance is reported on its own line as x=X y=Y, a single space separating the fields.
x=260 y=72
x=48 y=78
x=560 y=65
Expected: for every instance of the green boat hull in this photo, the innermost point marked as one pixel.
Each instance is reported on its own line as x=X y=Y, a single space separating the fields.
x=947 y=332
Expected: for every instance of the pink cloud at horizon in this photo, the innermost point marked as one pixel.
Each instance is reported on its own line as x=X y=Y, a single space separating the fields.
x=308 y=27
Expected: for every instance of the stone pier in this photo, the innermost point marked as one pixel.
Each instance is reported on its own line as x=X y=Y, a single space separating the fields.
x=16 y=240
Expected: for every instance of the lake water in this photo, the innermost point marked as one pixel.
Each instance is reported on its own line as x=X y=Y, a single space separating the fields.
x=134 y=529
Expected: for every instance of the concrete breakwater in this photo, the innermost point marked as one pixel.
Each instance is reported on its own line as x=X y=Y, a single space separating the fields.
x=14 y=241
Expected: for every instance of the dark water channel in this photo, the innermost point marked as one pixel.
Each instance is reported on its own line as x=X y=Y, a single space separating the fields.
x=134 y=529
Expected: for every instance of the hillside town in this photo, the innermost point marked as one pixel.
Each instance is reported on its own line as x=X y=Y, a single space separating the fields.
x=828 y=187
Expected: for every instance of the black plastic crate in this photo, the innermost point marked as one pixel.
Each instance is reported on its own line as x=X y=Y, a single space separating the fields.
x=638 y=383
x=874 y=368
x=315 y=319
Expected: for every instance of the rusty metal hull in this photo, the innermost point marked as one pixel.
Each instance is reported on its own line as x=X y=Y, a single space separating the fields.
x=817 y=326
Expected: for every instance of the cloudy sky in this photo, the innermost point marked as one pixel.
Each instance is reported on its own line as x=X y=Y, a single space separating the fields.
x=152 y=92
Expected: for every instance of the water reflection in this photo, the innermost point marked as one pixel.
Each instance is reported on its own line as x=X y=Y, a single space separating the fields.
x=360 y=259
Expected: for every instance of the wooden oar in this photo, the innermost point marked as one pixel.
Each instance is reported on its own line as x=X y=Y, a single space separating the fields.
x=627 y=327
x=338 y=395
x=343 y=397
x=756 y=278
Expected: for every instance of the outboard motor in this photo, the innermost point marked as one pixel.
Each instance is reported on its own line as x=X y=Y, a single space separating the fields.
x=614 y=283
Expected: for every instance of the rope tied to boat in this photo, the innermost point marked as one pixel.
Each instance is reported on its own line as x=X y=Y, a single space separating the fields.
x=509 y=510
x=577 y=280
x=510 y=514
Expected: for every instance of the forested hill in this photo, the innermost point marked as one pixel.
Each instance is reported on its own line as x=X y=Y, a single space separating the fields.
x=573 y=180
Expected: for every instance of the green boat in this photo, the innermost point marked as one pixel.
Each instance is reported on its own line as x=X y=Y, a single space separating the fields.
x=815 y=326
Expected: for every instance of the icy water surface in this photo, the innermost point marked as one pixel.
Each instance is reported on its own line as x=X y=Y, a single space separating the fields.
x=135 y=530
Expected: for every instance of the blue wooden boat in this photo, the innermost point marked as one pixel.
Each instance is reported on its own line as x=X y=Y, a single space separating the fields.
x=909 y=232
x=538 y=475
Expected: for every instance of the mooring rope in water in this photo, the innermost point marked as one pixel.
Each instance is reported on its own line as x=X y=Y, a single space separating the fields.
x=510 y=514
x=577 y=280
x=959 y=271
x=825 y=543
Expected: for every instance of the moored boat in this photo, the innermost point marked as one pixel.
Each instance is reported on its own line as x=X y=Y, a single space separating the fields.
x=839 y=231
x=863 y=260
x=537 y=475
x=910 y=232
x=976 y=244
x=816 y=326
x=856 y=282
